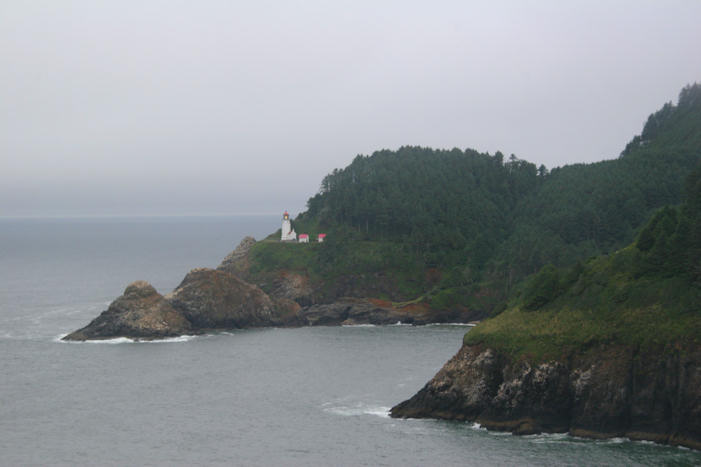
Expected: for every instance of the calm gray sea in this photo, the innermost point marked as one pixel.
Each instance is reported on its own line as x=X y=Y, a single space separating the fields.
x=309 y=396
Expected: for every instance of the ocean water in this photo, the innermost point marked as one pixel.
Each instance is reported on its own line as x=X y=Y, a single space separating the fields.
x=308 y=396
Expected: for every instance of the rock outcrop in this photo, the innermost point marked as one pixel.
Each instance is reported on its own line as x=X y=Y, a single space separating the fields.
x=230 y=298
x=609 y=392
x=349 y=311
x=213 y=299
x=207 y=299
x=140 y=312
x=237 y=262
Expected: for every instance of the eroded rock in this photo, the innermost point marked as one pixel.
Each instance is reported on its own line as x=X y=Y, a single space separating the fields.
x=607 y=392
x=140 y=313
x=237 y=262
x=215 y=299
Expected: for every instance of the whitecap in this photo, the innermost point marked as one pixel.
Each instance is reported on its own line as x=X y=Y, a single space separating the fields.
x=165 y=340
x=378 y=411
x=60 y=337
x=548 y=437
x=358 y=325
x=356 y=409
x=116 y=340
x=499 y=433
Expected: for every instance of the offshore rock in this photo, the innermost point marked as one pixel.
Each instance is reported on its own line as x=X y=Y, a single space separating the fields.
x=207 y=299
x=215 y=299
x=225 y=298
x=607 y=392
x=140 y=313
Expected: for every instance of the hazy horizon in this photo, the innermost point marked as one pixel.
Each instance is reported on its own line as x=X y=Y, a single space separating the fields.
x=216 y=108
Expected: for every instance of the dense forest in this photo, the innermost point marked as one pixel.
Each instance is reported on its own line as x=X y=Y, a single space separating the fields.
x=485 y=222
x=646 y=295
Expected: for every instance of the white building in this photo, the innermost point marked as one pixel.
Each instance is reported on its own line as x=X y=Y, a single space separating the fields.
x=288 y=233
x=303 y=238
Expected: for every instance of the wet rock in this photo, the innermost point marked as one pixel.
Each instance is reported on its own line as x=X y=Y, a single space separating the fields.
x=140 y=313
x=607 y=392
x=215 y=299
x=350 y=311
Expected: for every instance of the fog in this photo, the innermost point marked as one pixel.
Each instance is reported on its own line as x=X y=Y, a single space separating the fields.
x=220 y=107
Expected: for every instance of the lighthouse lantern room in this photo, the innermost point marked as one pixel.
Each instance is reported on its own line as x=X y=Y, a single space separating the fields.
x=288 y=233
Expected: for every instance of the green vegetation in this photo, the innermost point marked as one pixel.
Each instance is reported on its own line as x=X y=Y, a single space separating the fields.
x=462 y=229
x=336 y=260
x=465 y=229
x=647 y=294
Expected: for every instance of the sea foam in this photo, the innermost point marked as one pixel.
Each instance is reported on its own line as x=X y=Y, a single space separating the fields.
x=126 y=340
x=356 y=409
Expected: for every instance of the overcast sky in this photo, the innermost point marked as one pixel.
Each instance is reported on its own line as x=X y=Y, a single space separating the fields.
x=221 y=107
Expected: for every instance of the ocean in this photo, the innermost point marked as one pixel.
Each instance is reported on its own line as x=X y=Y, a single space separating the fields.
x=278 y=397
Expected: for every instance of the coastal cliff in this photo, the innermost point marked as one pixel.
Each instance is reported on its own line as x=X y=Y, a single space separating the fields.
x=420 y=235
x=222 y=298
x=606 y=348
x=609 y=391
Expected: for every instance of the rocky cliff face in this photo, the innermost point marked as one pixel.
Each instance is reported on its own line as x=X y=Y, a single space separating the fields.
x=237 y=262
x=212 y=299
x=345 y=300
x=222 y=298
x=609 y=392
x=206 y=299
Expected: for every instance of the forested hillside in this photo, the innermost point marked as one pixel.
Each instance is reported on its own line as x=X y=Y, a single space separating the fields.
x=646 y=295
x=483 y=222
x=584 y=210
x=607 y=347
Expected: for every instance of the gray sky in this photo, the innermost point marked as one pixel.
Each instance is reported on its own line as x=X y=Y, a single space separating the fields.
x=206 y=107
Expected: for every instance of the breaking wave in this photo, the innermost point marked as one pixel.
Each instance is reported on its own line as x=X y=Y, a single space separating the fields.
x=356 y=409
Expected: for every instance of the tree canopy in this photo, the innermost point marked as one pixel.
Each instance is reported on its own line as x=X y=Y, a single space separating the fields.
x=497 y=219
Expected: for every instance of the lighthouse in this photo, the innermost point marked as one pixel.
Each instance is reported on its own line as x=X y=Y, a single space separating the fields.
x=288 y=233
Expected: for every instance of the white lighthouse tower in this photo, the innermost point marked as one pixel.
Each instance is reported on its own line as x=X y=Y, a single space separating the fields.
x=288 y=233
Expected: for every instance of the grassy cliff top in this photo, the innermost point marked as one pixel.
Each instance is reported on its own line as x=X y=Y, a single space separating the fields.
x=606 y=304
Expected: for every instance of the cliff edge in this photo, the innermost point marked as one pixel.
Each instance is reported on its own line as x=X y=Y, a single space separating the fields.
x=610 y=391
x=229 y=297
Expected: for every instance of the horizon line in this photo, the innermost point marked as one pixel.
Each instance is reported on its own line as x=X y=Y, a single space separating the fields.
x=131 y=216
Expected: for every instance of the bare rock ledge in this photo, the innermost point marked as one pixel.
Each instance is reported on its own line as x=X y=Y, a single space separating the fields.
x=611 y=391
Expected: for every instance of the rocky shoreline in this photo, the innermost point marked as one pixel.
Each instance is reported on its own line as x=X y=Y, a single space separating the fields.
x=221 y=299
x=608 y=392
x=603 y=392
